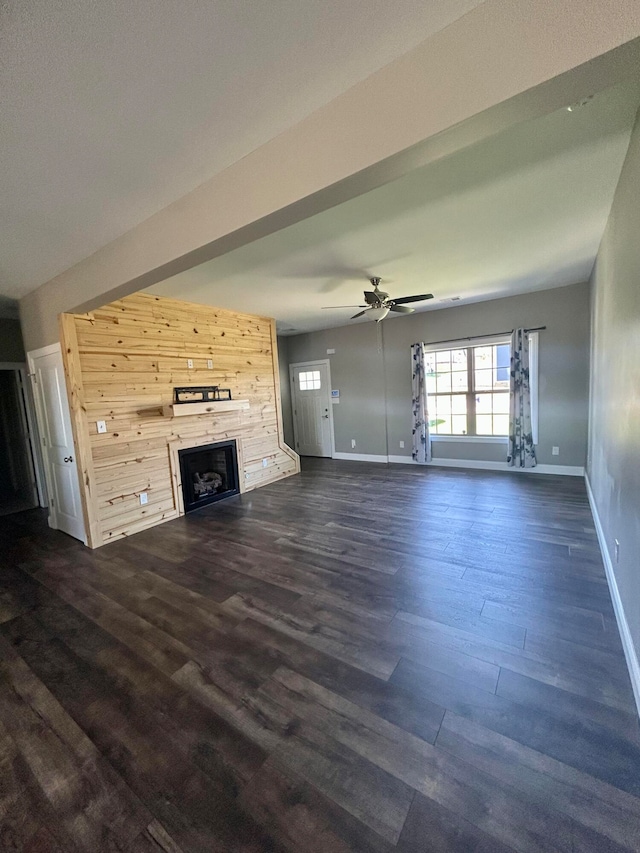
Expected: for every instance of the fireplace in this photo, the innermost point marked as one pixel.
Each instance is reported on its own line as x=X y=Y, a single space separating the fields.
x=209 y=473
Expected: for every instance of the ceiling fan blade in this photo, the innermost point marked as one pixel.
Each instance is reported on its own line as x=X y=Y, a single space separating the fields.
x=359 y=314
x=402 y=309
x=325 y=307
x=371 y=297
x=404 y=299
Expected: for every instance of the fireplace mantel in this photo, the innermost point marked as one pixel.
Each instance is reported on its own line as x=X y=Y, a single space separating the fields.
x=179 y=410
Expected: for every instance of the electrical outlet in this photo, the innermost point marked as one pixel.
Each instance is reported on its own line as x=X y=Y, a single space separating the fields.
x=265 y=462
x=101 y=426
x=353 y=442
x=555 y=451
x=144 y=498
x=402 y=444
x=189 y=364
x=210 y=363
x=617 y=550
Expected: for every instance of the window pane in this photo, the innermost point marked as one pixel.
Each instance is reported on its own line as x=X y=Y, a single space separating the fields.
x=458 y=359
x=483 y=404
x=492 y=365
x=443 y=383
x=430 y=371
x=484 y=425
x=443 y=359
x=484 y=380
x=483 y=357
x=443 y=425
x=443 y=405
x=501 y=404
x=459 y=404
x=459 y=380
x=501 y=424
x=459 y=423
x=503 y=363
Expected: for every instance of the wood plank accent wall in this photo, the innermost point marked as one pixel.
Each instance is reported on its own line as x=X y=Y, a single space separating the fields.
x=122 y=363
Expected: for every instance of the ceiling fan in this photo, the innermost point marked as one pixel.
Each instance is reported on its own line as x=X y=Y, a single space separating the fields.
x=378 y=304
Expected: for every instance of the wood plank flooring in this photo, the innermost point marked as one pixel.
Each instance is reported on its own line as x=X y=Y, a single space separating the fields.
x=360 y=658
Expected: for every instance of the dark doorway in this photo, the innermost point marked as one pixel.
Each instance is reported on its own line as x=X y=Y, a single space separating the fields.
x=209 y=474
x=17 y=478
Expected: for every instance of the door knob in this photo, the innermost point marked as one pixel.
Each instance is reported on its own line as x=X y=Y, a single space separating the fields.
x=68 y=458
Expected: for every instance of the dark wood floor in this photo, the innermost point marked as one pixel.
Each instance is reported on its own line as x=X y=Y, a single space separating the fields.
x=361 y=658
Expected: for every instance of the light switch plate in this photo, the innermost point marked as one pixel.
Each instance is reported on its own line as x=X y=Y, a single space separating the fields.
x=101 y=426
x=144 y=498
x=210 y=363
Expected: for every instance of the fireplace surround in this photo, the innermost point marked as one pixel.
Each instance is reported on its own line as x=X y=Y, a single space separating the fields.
x=208 y=473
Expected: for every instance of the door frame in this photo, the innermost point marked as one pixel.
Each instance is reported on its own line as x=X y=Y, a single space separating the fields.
x=51 y=349
x=327 y=363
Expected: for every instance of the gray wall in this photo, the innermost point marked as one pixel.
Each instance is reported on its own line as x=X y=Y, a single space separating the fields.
x=365 y=378
x=614 y=433
x=11 y=348
x=285 y=390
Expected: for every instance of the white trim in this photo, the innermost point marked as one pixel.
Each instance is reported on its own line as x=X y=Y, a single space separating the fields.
x=38 y=353
x=630 y=653
x=12 y=365
x=34 y=437
x=562 y=470
x=361 y=457
x=471 y=439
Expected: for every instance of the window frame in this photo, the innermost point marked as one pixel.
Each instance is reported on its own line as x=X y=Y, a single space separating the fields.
x=491 y=340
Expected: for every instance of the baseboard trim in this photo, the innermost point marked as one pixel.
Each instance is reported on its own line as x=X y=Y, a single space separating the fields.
x=630 y=653
x=360 y=457
x=563 y=470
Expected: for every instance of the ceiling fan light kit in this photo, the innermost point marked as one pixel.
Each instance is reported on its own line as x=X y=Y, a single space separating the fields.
x=378 y=304
x=378 y=313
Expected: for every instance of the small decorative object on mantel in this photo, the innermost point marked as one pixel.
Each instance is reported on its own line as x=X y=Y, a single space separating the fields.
x=200 y=394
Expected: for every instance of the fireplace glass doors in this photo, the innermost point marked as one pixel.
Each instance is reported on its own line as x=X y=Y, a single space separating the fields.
x=209 y=473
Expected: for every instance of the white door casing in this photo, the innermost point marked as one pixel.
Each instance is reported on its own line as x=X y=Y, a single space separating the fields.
x=312 y=409
x=54 y=421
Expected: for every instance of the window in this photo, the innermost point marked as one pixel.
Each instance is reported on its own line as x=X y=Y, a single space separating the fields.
x=309 y=380
x=468 y=389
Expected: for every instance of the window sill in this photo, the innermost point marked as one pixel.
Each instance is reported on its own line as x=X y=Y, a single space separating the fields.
x=472 y=439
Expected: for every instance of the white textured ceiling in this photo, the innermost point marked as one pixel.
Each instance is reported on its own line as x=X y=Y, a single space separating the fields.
x=112 y=110
x=522 y=211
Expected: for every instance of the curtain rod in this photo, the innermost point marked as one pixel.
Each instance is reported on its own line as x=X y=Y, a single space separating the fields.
x=476 y=337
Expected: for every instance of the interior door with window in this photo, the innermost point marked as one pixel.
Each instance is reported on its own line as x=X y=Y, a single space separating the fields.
x=312 y=414
x=54 y=422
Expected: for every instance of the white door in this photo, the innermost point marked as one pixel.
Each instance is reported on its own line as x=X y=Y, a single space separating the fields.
x=54 y=421
x=312 y=414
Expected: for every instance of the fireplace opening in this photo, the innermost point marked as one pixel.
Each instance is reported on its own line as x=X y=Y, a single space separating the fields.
x=209 y=474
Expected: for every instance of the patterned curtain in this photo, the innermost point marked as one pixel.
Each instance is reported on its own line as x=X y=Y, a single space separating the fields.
x=522 y=453
x=421 y=451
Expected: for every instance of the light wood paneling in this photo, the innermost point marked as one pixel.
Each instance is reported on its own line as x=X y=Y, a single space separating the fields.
x=122 y=363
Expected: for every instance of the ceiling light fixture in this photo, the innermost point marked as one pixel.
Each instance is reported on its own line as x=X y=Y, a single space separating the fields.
x=379 y=313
